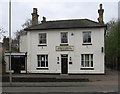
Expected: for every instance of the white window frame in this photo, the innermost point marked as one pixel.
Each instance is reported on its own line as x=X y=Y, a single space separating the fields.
x=90 y=37
x=41 y=60
x=39 y=38
x=90 y=61
x=61 y=38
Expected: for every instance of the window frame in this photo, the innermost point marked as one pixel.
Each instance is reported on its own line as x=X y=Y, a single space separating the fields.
x=87 y=43
x=61 y=38
x=42 y=44
x=39 y=61
x=90 y=61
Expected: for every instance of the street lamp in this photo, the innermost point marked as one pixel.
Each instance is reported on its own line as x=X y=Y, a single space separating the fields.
x=10 y=41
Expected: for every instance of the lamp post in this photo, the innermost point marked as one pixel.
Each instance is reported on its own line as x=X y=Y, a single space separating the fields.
x=10 y=42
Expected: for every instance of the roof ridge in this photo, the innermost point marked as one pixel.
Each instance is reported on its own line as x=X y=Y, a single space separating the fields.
x=73 y=20
x=65 y=20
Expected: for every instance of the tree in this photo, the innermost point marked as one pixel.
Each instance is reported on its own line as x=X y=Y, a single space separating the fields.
x=2 y=33
x=27 y=24
x=112 y=43
x=18 y=33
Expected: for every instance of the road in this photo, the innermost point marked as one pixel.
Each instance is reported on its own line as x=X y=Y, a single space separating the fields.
x=62 y=89
x=97 y=83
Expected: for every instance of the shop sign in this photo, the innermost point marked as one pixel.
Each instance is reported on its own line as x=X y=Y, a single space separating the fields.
x=64 y=48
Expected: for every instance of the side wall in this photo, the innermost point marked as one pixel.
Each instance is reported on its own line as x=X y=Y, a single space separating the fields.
x=23 y=43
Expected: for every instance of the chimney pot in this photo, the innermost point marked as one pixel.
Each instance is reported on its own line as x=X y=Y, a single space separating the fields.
x=44 y=19
x=100 y=6
x=35 y=10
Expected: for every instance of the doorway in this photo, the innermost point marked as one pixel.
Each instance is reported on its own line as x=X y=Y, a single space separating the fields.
x=64 y=64
x=17 y=63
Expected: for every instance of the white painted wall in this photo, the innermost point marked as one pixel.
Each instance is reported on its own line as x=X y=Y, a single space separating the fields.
x=53 y=40
x=23 y=43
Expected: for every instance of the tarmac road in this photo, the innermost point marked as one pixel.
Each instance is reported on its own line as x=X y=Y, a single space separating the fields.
x=68 y=90
x=64 y=93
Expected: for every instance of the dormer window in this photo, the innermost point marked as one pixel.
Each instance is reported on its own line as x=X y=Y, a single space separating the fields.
x=64 y=37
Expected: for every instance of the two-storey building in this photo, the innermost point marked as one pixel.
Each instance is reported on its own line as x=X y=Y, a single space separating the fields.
x=74 y=46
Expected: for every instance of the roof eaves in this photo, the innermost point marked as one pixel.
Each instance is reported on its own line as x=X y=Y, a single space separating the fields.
x=66 y=28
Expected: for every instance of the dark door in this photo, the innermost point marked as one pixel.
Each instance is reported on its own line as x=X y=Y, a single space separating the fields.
x=64 y=64
x=15 y=64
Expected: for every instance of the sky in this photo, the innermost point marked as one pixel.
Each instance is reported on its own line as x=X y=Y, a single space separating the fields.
x=55 y=10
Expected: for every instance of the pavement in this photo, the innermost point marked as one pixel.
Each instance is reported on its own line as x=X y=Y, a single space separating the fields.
x=110 y=78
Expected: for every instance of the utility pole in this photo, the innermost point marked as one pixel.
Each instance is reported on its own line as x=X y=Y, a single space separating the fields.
x=10 y=42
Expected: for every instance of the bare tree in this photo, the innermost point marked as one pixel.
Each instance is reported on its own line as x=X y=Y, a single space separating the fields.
x=2 y=33
x=18 y=33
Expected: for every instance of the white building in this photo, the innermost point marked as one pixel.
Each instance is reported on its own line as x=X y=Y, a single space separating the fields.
x=73 y=46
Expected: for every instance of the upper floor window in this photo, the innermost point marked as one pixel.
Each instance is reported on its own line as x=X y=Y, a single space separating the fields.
x=42 y=38
x=86 y=37
x=64 y=37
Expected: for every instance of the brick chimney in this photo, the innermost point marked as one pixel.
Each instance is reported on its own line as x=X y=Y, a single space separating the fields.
x=5 y=43
x=101 y=11
x=34 y=17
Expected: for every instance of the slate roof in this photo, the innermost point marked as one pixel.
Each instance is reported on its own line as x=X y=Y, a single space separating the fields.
x=66 y=24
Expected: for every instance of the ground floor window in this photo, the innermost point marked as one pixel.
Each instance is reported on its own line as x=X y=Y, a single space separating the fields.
x=42 y=61
x=87 y=60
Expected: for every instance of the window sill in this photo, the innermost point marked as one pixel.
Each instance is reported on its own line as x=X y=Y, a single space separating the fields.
x=87 y=44
x=42 y=68
x=64 y=44
x=87 y=68
x=42 y=45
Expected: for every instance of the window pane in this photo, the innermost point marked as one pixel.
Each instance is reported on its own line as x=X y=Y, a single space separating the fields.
x=91 y=57
x=86 y=63
x=41 y=42
x=46 y=57
x=86 y=37
x=42 y=63
x=86 y=57
x=38 y=63
x=46 y=63
x=40 y=35
x=82 y=63
x=87 y=60
x=42 y=38
x=82 y=58
x=91 y=63
x=43 y=57
x=64 y=37
x=43 y=35
x=39 y=58
x=89 y=37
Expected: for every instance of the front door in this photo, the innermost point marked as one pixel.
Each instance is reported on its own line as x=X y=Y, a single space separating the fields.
x=64 y=64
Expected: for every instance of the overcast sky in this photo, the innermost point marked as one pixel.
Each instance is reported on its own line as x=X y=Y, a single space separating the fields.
x=55 y=10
